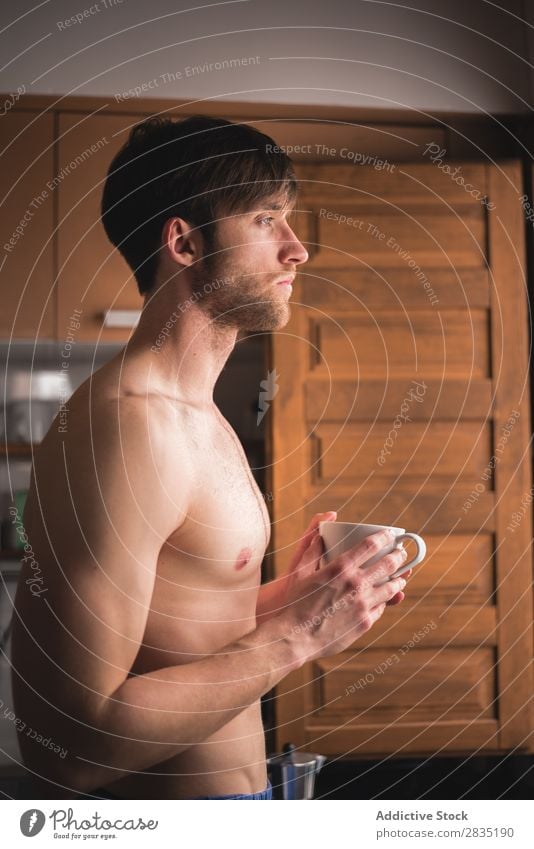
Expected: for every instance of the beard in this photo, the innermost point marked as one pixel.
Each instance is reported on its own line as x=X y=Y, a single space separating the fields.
x=248 y=301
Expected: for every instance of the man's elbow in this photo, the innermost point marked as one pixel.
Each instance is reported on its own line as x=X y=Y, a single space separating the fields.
x=61 y=767
x=53 y=780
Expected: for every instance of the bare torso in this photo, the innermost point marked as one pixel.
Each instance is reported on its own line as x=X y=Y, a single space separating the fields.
x=205 y=594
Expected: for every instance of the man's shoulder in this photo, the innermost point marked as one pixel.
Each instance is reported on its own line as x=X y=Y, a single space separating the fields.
x=106 y=400
x=103 y=417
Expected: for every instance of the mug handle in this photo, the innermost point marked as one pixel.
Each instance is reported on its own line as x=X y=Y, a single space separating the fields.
x=421 y=552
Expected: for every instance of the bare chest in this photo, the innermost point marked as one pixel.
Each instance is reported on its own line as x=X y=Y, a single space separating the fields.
x=209 y=570
x=223 y=540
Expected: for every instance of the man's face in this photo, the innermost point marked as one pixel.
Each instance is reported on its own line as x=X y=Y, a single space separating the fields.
x=238 y=284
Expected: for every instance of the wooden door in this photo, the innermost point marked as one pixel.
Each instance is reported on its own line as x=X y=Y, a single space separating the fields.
x=403 y=400
x=93 y=277
x=27 y=200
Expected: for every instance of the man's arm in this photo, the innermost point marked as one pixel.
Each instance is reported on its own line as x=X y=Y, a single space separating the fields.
x=154 y=716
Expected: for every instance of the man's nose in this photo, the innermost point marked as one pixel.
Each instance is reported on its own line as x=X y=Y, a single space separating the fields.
x=294 y=251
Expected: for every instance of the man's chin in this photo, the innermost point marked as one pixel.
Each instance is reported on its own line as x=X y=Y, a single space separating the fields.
x=267 y=324
x=251 y=317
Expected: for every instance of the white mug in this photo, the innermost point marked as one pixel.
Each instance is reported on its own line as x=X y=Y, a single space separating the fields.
x=340 y=536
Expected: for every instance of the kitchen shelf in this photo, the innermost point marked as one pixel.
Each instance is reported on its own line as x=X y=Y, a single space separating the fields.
x=17 y=449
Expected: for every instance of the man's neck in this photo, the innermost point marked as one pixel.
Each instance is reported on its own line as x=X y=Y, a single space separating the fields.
x=184 y=349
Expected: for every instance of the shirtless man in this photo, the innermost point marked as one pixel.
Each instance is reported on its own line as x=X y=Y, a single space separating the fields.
x=149 y=642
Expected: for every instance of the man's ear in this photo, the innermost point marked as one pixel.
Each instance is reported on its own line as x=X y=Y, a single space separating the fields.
x=181 y=242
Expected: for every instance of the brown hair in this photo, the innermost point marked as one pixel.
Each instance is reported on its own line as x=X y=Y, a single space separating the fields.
x=198 y=169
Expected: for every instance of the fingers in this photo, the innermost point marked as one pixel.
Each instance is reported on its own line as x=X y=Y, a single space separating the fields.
x=376 y=612
x=329 y=516
x=313 y=527
x=381 y=571
x=368 y=548
x=387 y=592
x=309 y=561
x=397 y=598
x=311 y=531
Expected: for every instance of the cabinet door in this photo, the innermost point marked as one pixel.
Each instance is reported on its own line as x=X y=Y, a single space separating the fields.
x=93 y=277
x=26 y=266
x=404 y=400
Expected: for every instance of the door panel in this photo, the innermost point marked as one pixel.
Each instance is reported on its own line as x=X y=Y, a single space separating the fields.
x=435 y=238
x=424 y=286
x=419 y=342
x=415 y=686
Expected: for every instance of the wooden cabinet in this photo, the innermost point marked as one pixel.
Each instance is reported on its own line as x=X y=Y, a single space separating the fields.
x=423 y=287
x=28 y=198
x=58 y=268
x=93 y=277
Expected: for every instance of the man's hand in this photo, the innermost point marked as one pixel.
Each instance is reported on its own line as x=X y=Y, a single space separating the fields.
x=310 y=534
x=300 y=565
x=330 y=606
x=275 y=595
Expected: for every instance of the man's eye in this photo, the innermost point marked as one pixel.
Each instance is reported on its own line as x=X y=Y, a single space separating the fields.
x=266 y=218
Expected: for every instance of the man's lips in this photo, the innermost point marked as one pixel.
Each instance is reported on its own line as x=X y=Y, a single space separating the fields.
x=286 y=282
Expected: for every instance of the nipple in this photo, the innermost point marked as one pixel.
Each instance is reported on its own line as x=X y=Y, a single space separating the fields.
x=243 y=558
